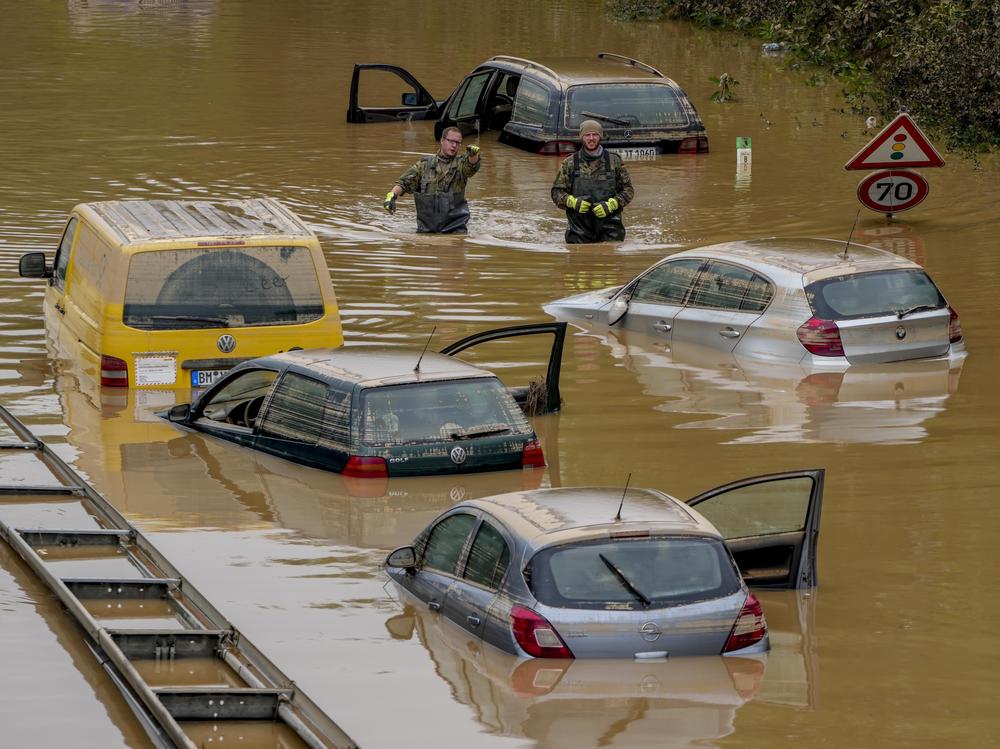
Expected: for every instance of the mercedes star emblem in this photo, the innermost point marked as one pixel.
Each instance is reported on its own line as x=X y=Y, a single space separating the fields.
x=458 y=455
x=628 y=135
x=226 y=343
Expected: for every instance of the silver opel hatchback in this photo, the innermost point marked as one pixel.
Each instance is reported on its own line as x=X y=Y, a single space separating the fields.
x=820 y=303
x=607 y=573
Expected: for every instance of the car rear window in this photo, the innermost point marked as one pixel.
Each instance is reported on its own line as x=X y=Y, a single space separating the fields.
x=632 y=104
x=873 y=294
x=439 y=411
x=667 y=570
x=231 y=287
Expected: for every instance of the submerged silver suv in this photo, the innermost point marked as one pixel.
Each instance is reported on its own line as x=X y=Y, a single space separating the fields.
x=606 y=573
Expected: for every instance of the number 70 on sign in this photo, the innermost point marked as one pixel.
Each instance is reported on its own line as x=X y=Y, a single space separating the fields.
x=892 y=190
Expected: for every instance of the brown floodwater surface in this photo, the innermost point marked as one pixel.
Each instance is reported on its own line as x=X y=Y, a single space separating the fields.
x=206 y=99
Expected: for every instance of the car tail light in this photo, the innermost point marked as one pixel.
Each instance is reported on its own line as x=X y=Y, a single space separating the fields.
x=954 y=326
x=750 y=626
x=536 y=636
x=531 y=455
x=693 y=145
x=558 y=147
x=362 y=467
x=821 y=337
x=114 y=372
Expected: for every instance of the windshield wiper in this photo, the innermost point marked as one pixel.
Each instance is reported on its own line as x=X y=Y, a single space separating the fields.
x=219 y=322
x=606 y=118
x=625 y=581
x=479 y=432
x=900 y=314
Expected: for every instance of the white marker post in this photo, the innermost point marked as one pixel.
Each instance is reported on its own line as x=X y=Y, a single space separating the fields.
x=744 y=161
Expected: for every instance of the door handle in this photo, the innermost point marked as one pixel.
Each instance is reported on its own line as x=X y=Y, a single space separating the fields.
x=473 y=620
x=729 y=333
x=434 y=605
x=663 y=325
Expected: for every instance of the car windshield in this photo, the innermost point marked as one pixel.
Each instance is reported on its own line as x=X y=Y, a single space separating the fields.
x=875 y=294
x=644 y=571
x=654 y=105
x=215 y=288
x=450 y=411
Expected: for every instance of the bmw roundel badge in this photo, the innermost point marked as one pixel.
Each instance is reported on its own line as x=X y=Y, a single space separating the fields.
x=900 y=333
x=458 y=455
x=226 y=343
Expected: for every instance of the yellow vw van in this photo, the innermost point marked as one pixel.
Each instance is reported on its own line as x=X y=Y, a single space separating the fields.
x=173 y=293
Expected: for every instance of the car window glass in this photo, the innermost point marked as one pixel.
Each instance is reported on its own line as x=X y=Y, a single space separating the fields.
x=758 y=296
x=873 y=294
x=464 y=104
x=230 y=287
x=444 y=545
x=531 y=105
x=230 y=403
x=62 y=254
x=667 y=283
x=488 y=557
x=296 y=410
x=337 y=419
x=632 y=104
x=666 y=570
x=774 y=506
x=721 y=286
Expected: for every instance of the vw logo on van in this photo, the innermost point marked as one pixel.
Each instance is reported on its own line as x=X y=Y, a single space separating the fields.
x=650 y=631
x=458 y=455
x=900 y=333
x=226 y=343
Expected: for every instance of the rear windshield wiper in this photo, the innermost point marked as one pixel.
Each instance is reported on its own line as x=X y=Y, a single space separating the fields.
x=625 y=581
x=900 y=314
x=483 y=431
x=219 y=322
x=606 y=118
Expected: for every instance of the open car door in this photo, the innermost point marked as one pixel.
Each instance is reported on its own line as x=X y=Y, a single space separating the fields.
x=771 y=525
x=532 y=399
x=415 y=103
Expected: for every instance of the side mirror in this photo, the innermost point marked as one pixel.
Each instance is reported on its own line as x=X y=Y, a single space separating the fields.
x=410 y=99
x=618 y=308
x=179 y=413
x=32 y=265
x=405 y=557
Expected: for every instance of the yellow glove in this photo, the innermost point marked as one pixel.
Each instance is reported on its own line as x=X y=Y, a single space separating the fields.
x=605 y=209
x=390 y=202
x=577 y=204
x=472 y=150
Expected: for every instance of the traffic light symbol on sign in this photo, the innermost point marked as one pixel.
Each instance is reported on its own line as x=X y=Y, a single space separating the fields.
x=900 y=144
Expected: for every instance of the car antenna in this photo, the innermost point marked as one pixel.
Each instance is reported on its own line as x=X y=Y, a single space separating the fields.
x=618 y=517
x=417 y=368
x=856 y=215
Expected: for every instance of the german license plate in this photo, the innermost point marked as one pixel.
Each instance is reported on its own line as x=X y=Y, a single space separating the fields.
x=636 y=154
x=204 y=377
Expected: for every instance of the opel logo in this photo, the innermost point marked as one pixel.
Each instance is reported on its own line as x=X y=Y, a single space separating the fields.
x=458 y=455
x=627 y=135
x=226 y=343
x=650 y=631
x=900 y=333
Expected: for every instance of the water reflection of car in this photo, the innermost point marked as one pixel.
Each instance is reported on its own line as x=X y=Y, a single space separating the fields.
x=606 y=573
x=539 y=105
x=816 y=302
x=381 y=411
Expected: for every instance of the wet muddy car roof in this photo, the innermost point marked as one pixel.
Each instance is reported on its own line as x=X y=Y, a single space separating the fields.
x=139 y=221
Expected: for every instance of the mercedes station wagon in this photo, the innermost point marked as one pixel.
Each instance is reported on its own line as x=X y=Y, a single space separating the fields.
x=376 y=412
x=612 y=573
x=820 y=303
x=539 y=105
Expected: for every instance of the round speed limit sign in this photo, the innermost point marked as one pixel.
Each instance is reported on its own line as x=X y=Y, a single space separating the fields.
x=892 y=190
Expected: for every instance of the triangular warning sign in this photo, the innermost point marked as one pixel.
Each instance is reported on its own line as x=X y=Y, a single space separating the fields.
x=901 y=144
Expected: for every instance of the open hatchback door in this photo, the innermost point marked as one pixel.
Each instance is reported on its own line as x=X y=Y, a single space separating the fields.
x=771 y=525
x=398 y=96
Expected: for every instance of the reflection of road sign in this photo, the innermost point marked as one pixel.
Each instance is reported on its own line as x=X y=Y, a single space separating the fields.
x=892 y=190
x=901 y=144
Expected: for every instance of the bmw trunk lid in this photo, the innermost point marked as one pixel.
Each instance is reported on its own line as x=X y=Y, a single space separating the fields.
x=893 y=338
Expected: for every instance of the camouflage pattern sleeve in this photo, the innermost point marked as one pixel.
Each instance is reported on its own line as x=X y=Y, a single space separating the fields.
x=623 y=181
x=467 y=167
x=563 y=183
x=410 y=179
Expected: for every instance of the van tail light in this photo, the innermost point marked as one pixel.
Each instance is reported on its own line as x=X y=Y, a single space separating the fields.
x=366 y=468
x=954 y=326
x=114 y=372
x=531 y=455
x=558 y=147
x=750 y=627
x=821 y=337
x=536 y=636
x=693 y=145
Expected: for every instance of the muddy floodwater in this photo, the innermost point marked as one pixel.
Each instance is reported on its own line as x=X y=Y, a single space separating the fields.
x=201 y=99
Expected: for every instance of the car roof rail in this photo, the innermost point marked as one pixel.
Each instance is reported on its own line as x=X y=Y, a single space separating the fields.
x=630 y=61
x=522 y=61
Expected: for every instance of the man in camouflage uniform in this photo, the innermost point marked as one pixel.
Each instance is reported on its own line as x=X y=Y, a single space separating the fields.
x=593 y=187
x=438 y=186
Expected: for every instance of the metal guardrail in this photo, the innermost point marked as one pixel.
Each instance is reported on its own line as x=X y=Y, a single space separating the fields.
x=267 y=694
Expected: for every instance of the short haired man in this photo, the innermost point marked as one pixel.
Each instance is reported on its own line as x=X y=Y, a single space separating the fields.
x=593 y=187
x=438 y=186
